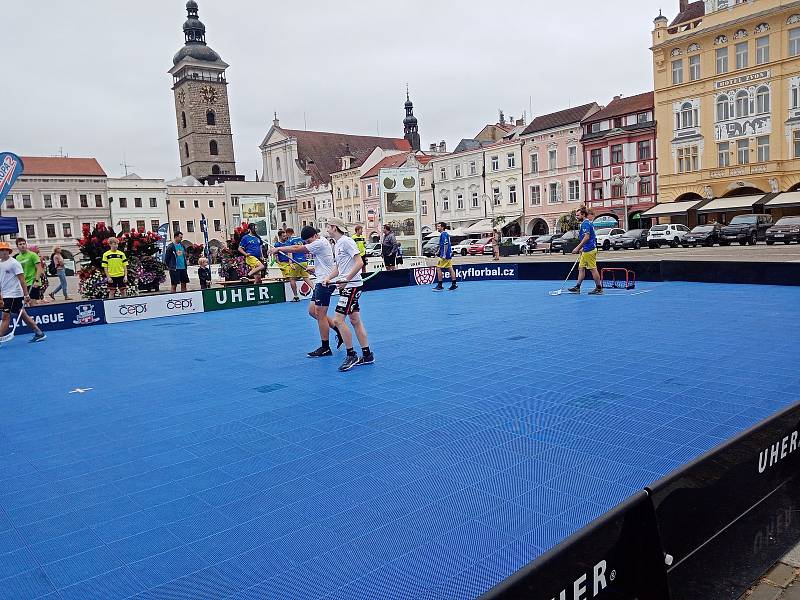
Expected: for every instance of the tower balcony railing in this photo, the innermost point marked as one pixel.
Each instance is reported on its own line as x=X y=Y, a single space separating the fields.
x=220 y=78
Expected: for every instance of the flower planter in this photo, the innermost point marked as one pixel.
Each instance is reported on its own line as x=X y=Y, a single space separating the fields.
x=508 y=250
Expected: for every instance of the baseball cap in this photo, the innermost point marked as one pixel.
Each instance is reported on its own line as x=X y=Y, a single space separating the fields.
x=5 y=246
x=337 y=222
x=308 y=232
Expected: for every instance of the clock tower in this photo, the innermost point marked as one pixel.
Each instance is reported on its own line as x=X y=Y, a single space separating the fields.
x=205 y=141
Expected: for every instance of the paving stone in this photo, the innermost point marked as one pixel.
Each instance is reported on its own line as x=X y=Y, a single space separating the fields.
x=792 y=592
x=781 y=575
x=793 y=558
x=765 y=591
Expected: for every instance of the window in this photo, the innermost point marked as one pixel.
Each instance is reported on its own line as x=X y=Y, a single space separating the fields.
x=796 y=142
x=346 y=191
x=443 y=174
x=217 y=225
x=175 y=227
x=215 y=170
x=283 y=216
x=762 y=50
x=213 y=150
x=617 y=122
x=723 y=108
x=51 y=230
x=642 y=118
x=26 y=200
x=574 y=189
x=512 y=194
x=423 y=207
x=740 y=50
x=10 y=201
x=66 y=229
x=694 y=67
x=123 y=203
x=445 y=203
x=457 y=171
x=597 y=157
x=645 y=186
x=743 y=151
x=358 y=214
x=183 y=119
x=473 y=167
x=62 y=199
x=235 y=201
x=196 y=203
x=30 y=232
x=495 y=163
x=687 y=117
x=644 y=150
x=552 y=160
x=742 y=104
x=125 y=226
x=460 y=201
x=137 y=202
x=182 y=203
x=210 y=204
x=140 y=225
x=48 y=201
x=422 y=181
x=474 y=199
x=154 y=225
x=762 y=100
x=677 y=71
x=534 y=163
x=511 y=160
x=186 y=149
x=722 y=61
x=369 y=189
x=349 y=216
x=597 y=191
x=724 y=154
x=153 y=203
x=211 y=118
x=616 y=191
x=190 y=226
x=536 y=195
x=98 y=201
x=338 y=193
x=688 y=159
x=616 y=154
x=496 y=196
x=572 y=154
x=762 y=143
x=553 y=195
x=794 y=42
x=84 y=201
x=594 y=127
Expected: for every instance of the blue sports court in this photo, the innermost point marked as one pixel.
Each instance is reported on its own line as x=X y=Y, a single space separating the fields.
x=206 y=457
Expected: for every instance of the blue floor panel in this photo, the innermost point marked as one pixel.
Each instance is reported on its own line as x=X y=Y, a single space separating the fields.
x=214 y=460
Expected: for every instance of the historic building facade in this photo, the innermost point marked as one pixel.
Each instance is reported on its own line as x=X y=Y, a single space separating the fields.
x=137 y=203
x=727 y=100
x=202 y=111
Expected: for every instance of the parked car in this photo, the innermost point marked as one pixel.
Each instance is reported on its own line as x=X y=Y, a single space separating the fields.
x=566 y=243
x=786 y=230
x=666 y=234
x=489 y=248
x=702 y=235
x=541 y=243
x=431 y=247
x=522 y=243
x=461 y=248
x=746 y=229
x=477 y=247
x=605 y=236
x=374 y=249
x=635 y=239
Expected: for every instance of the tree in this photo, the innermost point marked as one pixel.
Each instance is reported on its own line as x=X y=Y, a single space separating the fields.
x=567 y=222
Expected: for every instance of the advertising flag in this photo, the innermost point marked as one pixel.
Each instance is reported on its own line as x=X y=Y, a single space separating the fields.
x=10 y=168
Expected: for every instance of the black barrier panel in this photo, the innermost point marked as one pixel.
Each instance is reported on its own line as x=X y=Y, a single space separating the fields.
x=764 y=273
x=387 y=279
x=730 y=563
x=617 y=557
x=649 y=270
x=699 y=501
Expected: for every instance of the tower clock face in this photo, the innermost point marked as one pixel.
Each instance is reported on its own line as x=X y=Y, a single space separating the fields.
x=209 y=94
x=182 y=97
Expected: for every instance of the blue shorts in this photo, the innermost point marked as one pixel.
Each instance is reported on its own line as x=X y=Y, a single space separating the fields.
x=322 y=295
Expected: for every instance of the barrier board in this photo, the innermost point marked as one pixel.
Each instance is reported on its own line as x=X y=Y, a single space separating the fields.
x=243 y=295
x=480 y=272
x=122 y=310
x=65 y=316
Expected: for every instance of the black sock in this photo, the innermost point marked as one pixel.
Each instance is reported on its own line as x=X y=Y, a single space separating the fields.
x=351 y=352
x=365 y=350
x=326 y=344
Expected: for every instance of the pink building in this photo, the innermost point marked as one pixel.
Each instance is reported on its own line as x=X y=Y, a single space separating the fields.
x=552 y=167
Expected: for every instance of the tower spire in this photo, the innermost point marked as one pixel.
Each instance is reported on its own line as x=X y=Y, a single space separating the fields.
x=410 y=124
x=193 y=29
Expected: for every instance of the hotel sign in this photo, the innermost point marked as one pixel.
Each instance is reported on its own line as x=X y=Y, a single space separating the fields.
x=744 y=79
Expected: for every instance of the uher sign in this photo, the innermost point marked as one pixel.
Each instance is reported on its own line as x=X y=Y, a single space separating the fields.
x=244 y=295
x=11 y=167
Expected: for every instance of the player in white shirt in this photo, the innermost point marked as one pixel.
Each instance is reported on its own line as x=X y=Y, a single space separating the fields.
x=322 y=252
x=14 y=293
x=346 y=274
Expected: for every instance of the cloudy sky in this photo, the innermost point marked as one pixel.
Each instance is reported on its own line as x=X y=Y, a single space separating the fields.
x=90 y=77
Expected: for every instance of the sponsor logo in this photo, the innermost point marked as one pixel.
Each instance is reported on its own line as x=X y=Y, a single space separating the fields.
x=424 y=275
x=588 y=585
x=217 y=299
x=132 y=309
x=85 y=315
x=49 y=319
x=179 y=304
x=771 y=456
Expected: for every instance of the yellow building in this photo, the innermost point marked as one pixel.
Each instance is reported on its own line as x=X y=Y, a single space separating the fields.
x=727 y=98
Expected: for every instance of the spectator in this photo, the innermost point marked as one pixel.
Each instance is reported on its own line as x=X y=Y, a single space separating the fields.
x=389 y=248
x=58 y=264
x=115 y=266
x=32 y=268
x=361 y=244
x=204 y=273
x=176 y=261
x=496 y=243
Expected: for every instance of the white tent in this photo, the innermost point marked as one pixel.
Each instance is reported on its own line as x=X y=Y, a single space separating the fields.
x=459 y=232
x=483 y=226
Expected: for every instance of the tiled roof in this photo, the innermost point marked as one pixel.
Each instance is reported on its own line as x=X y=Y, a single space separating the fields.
x=390 y=162
x=56 y=165
x=561 y=118
x=326 y=150
x=624 y=106
x=693 y=11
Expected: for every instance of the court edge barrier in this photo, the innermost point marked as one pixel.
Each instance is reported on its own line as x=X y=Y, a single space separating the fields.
x=707 y=531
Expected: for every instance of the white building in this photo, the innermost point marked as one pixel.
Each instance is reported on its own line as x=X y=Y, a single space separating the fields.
x=137 y=203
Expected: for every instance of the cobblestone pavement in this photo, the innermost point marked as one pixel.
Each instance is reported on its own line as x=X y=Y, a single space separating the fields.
x=782 y=582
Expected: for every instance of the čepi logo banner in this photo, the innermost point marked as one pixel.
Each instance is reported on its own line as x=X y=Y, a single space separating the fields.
x=10 y=168
x=139 y=308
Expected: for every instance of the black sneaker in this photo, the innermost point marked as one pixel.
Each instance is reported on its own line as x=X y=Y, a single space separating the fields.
x=453 y=287
x=367 y=359
x=575 y=290
x=38 y=337
x=320 y=352
x=438 y=288
x=350 y=361
x=598 y=291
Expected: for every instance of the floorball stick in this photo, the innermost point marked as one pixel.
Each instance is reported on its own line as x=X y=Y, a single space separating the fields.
x=560 y=291
x=10 y=336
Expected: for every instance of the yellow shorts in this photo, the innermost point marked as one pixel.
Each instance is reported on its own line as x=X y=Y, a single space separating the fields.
x=253 y=262
x=444 y=263
x=300 y=270
x=286 y=269
x=588 y=259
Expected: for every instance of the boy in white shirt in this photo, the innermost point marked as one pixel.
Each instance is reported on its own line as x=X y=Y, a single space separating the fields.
x=14 y=293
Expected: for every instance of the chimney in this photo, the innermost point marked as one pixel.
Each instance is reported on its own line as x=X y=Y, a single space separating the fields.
x=442 y=147
x=683 y=5
x=502 y=117
x=433 y=147
x=520 y=122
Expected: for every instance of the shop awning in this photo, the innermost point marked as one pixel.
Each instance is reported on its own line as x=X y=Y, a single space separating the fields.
x=784 y=200
x=733 y=203
x=8 y=225
x=672 y=208
x=483 y=226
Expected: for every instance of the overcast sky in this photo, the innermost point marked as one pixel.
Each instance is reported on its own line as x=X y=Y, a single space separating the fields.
x=90 y=77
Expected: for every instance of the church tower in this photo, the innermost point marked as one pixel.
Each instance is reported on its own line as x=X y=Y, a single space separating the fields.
x=410 y=126
x=205 y=141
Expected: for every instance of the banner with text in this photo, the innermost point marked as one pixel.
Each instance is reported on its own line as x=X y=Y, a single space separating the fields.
x=427 y=275
x=65 y=316
x=243 y=295
x=140 y=308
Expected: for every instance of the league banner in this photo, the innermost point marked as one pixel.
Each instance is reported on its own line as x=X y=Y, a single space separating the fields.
x=503 y=272
x=11 y=167
x=122 y=310
x=65 y=316
x=243 y=295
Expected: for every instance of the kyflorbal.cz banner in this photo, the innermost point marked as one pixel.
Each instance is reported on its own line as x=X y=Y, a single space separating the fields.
x=140 y=308
x=243 y=295
x=501 y=272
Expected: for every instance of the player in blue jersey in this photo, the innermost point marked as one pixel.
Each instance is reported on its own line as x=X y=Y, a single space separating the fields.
x=445 y=254
x=300 y=264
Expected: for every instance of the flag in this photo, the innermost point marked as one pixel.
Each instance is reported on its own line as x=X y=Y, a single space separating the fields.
x=204 y=229
x=163 y=233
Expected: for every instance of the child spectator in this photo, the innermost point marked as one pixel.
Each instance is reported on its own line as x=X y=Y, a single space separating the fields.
x=115 y=266
x=204 y=273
